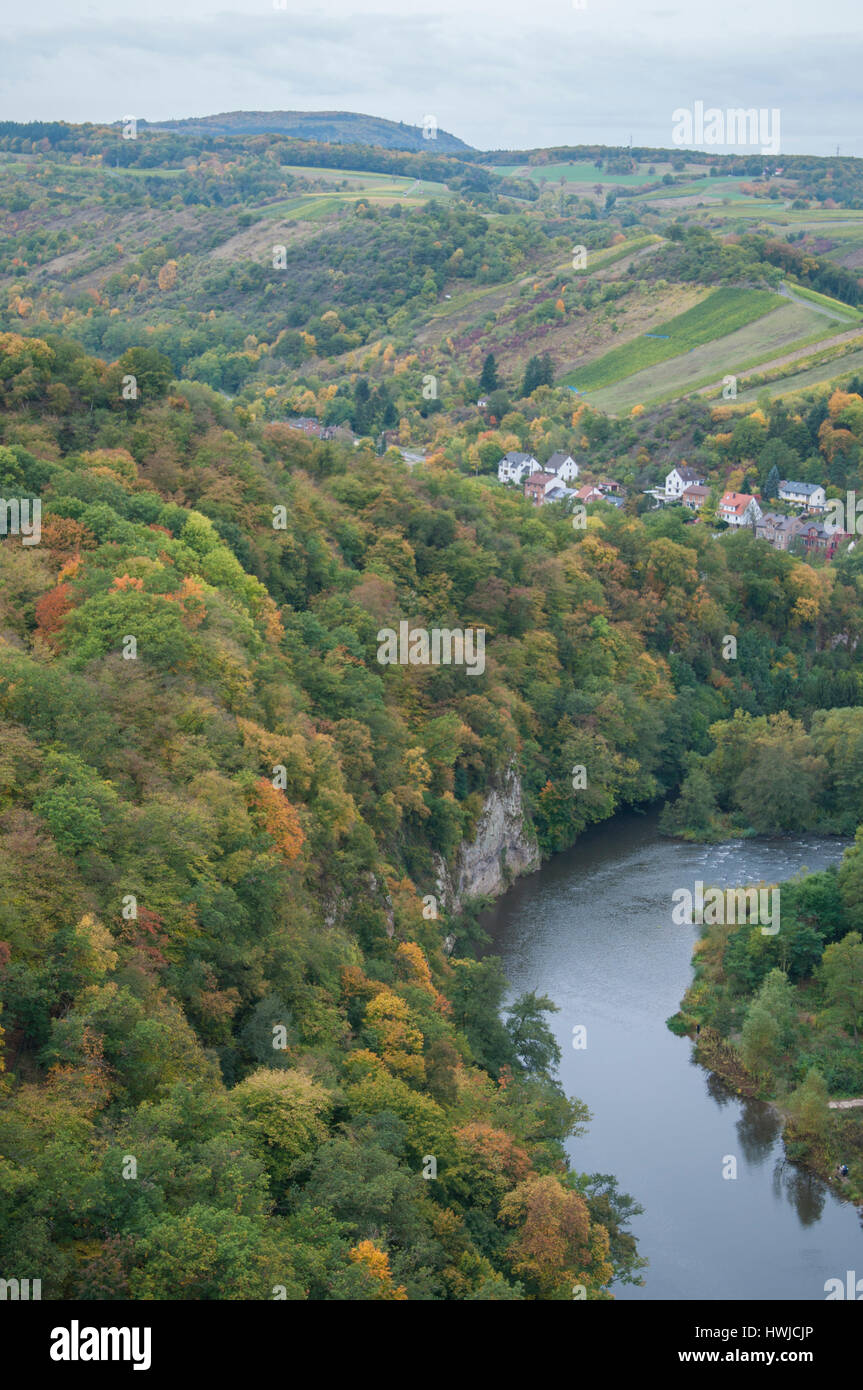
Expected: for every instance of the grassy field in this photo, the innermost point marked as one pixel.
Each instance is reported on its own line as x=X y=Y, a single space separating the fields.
x=372 y=188
x=360 y=182
x=724 y=186
x=601 y=260
x=720 y=314
x=837 y=223
x=575 y=173
x=63 y=167
x=785 y=329
x=850 y=364
x=835 y=306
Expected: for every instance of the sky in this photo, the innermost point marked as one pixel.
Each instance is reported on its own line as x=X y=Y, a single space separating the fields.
x=500 y=74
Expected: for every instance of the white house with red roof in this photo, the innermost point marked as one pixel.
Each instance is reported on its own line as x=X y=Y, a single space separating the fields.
x=739 y=509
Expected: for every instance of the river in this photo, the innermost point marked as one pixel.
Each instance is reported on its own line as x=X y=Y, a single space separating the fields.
x=593 y=930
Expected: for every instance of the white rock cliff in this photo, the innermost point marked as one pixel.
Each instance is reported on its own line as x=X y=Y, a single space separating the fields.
x=503 y=848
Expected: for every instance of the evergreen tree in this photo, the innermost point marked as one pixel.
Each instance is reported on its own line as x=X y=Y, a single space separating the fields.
x=489 y=380
x=770 y=489
x=538 y=372
x=363 y=411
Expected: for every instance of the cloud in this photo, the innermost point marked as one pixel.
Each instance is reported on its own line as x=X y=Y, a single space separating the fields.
x=499 y=77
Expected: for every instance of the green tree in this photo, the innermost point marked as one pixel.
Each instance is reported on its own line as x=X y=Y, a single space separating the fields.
x=769 y=1024
x=533 y=1041
x=770 y=489
x=205 y=1254
x=841 y=974
x=152 y=370
x=476 y=996
x=808 y=1107
x=539 y=371
x=286 y=1115
x=489 y=380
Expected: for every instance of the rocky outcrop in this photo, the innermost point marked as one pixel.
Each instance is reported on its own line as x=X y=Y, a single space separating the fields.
x=503 y=848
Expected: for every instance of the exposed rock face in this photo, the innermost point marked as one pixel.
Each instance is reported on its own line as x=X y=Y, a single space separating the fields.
x=503 y=848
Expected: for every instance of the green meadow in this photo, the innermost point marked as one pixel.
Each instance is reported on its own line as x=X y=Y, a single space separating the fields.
x=720 y=314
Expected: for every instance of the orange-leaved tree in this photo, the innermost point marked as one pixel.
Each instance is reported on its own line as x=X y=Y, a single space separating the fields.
x=279 y=819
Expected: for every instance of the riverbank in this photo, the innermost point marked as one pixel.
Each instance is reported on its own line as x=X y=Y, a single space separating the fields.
x=775 y=1015
x=822 y=1155
x=593 y=930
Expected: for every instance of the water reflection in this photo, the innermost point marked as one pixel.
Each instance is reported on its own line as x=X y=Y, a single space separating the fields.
x=806 y=1192
x=716 y=1087
x=758 y=1127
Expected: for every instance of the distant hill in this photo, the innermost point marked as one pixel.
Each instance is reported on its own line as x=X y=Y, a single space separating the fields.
x=336 y=127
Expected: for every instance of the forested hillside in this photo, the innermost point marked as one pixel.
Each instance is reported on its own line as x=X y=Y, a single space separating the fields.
x=259 y=384
x=227 y=968
x=330 y=127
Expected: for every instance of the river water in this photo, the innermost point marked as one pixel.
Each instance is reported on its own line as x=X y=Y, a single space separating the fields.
x=593 y=930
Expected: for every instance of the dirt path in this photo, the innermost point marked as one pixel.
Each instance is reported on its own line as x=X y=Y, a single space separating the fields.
x=797 y=356
x=810 y=304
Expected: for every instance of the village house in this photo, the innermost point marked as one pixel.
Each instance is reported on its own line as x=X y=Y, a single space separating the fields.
x=819 y=540
x=307 y=423
x=538 y=485
x=809 y=495
x=514 y=465
x=695 y=496
x=779 y=531
x=559 y=493
x=738 y=509
x=680 y=478
x=564 y=465
x=588 y=493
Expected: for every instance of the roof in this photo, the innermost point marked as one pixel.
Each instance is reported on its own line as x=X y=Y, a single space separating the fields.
x=557 y=459
x=696 y=490
x=809 y=527
x=515 y=457
x=684 y=471
x=736 y=502
x=806 y=488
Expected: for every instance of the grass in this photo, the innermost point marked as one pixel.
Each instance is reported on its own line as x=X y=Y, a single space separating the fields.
x=581 y=172
x=723 y=186
x=784 y=329
x=849 y=365
x=314 y=204
x=720 y=314
x=63 y=167
x=836 y=306
x=599 y=260
x=362 y=182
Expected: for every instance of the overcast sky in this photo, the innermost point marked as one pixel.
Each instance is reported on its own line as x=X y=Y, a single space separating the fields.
x=499 y=74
